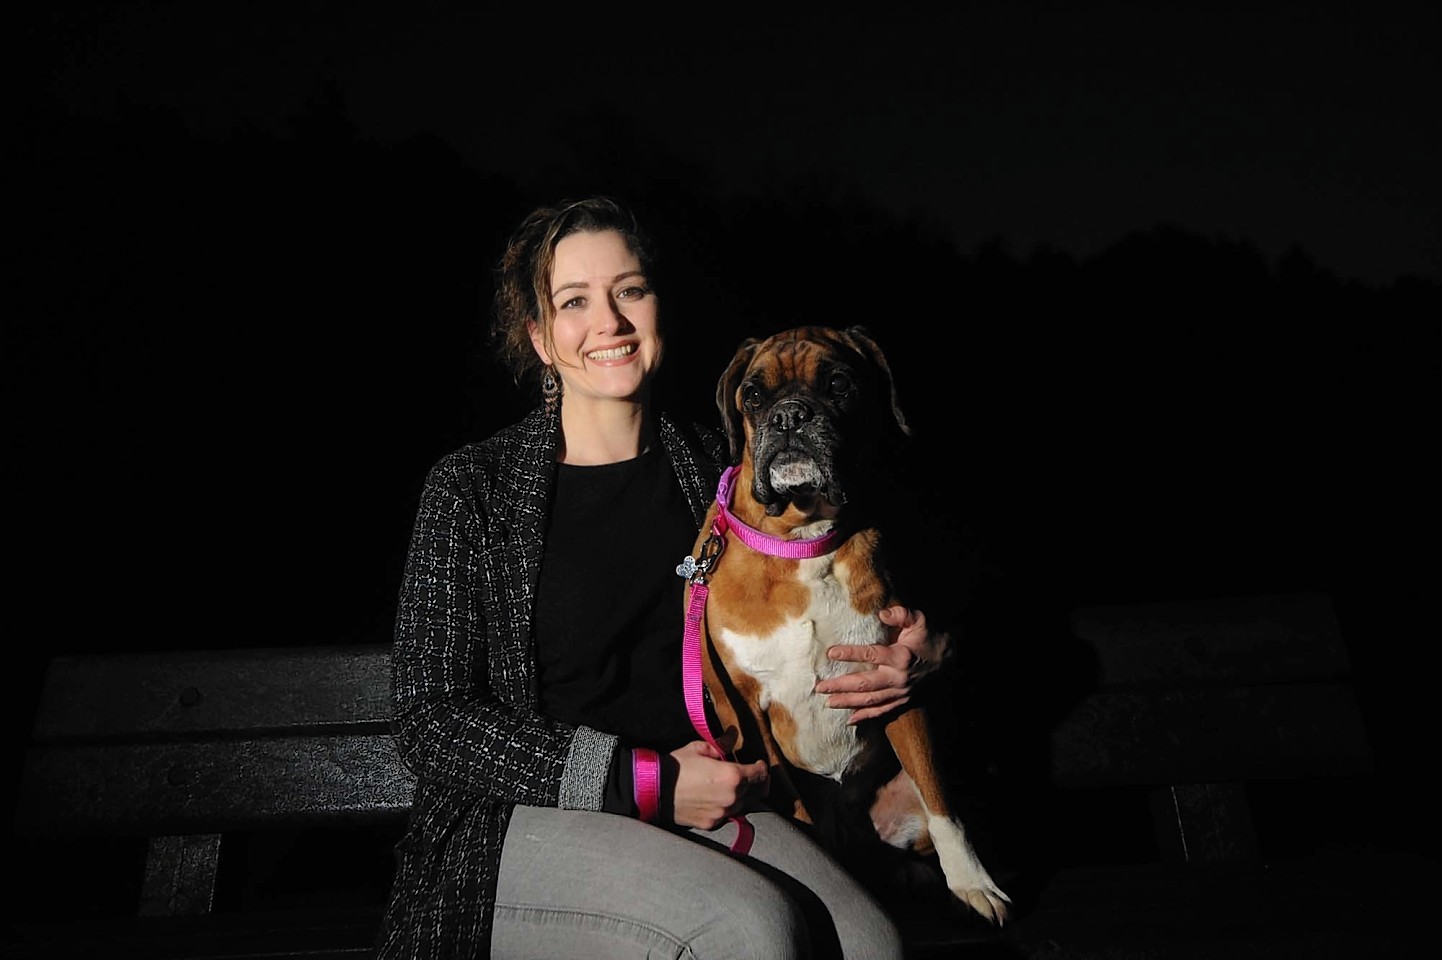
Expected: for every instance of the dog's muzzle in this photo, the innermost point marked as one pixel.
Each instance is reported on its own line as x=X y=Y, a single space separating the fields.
x=794 y=459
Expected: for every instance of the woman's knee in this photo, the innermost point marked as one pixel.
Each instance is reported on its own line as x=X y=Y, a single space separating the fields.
x=780 y=926
x=749 y=924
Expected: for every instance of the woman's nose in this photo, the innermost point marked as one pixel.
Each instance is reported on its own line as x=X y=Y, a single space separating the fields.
x=614 y=318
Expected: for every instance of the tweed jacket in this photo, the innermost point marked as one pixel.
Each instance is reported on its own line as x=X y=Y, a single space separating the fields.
x=464 y=682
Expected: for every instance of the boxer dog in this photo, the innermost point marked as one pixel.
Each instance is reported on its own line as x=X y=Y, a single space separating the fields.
x=813 y=422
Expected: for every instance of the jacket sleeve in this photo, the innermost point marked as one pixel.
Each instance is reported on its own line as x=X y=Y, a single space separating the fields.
x=453 y=727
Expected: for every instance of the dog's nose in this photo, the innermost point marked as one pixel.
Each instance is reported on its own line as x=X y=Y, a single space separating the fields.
x=790 y=414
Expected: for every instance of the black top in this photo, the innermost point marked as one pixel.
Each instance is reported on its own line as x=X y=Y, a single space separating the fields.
x=609 y=617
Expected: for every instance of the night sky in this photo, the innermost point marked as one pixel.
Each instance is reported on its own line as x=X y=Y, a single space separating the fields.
x=1291 y=123
x=1162 y=286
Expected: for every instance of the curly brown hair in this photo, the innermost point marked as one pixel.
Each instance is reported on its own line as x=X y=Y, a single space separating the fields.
x=523 y=276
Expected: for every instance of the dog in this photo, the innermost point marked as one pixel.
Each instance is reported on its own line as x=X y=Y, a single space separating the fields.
x=811 y=416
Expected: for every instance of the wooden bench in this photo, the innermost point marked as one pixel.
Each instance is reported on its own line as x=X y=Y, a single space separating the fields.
x=235 y=803
x=243 y=803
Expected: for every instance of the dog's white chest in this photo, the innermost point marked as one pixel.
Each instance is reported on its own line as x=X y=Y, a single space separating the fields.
x=787 y=663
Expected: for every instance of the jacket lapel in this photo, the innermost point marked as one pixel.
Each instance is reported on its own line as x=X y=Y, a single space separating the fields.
x=518 y=511
x=697 y=481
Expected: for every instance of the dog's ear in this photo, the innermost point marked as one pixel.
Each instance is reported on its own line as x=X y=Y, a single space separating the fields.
x=726 y=397
x=861 y=340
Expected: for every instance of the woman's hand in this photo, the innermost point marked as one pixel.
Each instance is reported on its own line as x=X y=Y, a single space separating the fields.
x=914 y=652
x=706 y=788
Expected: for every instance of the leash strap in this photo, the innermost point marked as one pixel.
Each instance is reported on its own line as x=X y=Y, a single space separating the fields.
x=646 y=774
x=695 y=701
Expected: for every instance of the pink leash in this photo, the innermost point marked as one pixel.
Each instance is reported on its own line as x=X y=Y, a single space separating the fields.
x=697 y=572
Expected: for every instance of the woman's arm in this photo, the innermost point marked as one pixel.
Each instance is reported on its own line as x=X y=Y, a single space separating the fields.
x=452 y=725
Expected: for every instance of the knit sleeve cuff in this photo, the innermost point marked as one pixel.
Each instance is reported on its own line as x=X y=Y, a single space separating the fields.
x=588 y=764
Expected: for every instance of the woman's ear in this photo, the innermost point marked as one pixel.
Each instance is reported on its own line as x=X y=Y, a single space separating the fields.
x=538 y=341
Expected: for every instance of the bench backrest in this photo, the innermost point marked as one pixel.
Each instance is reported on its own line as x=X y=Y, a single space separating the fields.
x=209 y=741
x=1232 y=689
x=1196 y=699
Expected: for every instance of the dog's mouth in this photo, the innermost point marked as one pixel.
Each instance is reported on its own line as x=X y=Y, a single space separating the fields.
x=797 y=479
x=791 y=474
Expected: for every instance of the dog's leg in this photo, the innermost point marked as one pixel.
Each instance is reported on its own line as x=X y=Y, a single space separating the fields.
x=965 y=876
x=748 y=734
x=898 y=816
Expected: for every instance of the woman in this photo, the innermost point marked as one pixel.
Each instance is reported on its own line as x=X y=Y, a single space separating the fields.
x=538 y=654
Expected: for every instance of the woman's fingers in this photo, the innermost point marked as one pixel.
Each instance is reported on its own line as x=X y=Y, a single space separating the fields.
x=709 y=789
x=914 y=651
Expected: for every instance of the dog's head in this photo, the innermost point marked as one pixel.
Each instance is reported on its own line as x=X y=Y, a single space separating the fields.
x=811 y=408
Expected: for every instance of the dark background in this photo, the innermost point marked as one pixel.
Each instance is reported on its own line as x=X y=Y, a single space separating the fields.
x=1163 y=287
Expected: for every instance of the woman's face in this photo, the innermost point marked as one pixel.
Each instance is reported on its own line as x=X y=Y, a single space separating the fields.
x=605 y=335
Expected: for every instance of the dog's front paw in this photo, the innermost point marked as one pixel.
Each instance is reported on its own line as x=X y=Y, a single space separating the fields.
x=965 y=876
x=988 y=901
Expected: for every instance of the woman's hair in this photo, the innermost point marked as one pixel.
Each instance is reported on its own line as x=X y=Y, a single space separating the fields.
x=523 y=277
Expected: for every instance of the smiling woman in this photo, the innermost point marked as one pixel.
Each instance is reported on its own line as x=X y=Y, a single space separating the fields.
x=565 y=804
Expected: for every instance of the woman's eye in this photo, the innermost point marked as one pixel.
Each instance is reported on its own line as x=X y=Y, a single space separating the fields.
x=573 y=303
x=633 y=293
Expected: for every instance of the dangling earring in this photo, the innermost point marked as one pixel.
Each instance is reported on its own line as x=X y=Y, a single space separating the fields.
x=550 y=390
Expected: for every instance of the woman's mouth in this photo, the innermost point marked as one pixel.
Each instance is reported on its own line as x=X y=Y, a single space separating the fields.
x=612 y=353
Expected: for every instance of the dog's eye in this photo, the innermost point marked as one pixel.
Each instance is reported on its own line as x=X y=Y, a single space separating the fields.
x=751 y=397
x=840 y=384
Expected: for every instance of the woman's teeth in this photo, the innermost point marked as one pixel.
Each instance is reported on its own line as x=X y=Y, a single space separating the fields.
x=615 y=353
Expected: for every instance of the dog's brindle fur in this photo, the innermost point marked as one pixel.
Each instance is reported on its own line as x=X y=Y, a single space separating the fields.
x=812 y=416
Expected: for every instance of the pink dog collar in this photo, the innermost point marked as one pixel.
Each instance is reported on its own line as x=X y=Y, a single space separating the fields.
x=764 y=542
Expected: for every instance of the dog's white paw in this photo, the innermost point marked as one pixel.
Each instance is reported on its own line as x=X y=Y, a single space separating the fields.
x=965 y=876
x=988 y=901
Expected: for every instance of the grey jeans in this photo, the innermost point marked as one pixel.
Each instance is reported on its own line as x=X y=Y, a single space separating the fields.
x=577 y=885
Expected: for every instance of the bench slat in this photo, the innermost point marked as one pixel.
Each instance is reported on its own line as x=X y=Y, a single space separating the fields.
x=129 y=696
x=210 y=786
x=1211 y=734
x=1234 y=640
